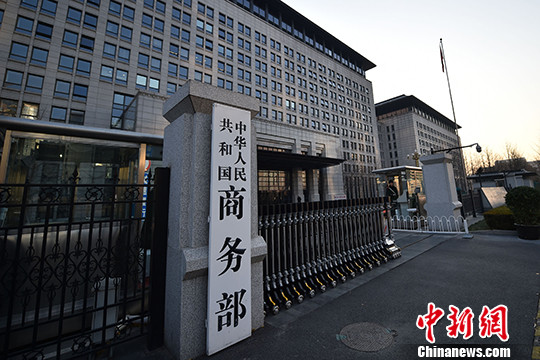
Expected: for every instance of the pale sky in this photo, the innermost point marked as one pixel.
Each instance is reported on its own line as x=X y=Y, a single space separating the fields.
x=492 y=50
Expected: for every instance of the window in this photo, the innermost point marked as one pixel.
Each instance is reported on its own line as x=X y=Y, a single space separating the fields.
x=24 y=25
x=129 y=13
x=176 y=13
x=199 y=41
x=185 y=35
x=80 y=92
x=44 y=31
x=13 y=79
x=199 y=59
x=175 y=31
x=153 y=84
x=112 y=28
x=208 y=79
x=70 y=38
x=58 y=114
x=124 y=54
x=87 y=43
x=34 y=83
x=83 y=67
x=142 y=82
x=184 y=54
x=198 y=76
x=143 y=60
x=76 y=117
x=147 y=20
x=74 y=15
x=171 y=88
x=114 y=8
x=30 y=3
x=18 y=51
x=121 y=76
x=62 y=89
x=94 y=2
x=186 y=18
x=106 y=72
x=160 y=6
x=90 y=21
x=109 y=50
x=126 y=33
x=145 y=40
x=159 y=25
x=155 y=64
x=173 y=69
x=29 y=111
x=208 y=62
x=39 y=56
x=120 y=103
x=8 y=107
x=183 y=72
x=66 y=63
x=157 y=44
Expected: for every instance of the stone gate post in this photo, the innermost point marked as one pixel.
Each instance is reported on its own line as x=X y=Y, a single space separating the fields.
x=187 y=152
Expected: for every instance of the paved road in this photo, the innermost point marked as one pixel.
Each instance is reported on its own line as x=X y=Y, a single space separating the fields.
x=444 y=269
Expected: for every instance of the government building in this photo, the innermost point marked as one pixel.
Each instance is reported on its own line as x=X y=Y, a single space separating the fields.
x=84 y=81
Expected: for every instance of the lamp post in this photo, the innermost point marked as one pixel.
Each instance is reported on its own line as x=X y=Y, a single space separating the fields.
x=415 y=156
x=478 y=148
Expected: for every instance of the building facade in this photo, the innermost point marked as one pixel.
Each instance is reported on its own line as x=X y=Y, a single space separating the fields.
x=409 y=128
x=83 y=63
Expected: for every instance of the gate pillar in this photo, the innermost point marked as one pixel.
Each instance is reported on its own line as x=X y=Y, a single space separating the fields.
x=440 y=186
x=187 y=152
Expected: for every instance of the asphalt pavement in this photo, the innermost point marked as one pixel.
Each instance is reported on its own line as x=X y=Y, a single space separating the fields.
x=491 y=269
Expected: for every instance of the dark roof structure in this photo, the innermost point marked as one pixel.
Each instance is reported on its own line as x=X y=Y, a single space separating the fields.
x=410 y=101
x=295 y=24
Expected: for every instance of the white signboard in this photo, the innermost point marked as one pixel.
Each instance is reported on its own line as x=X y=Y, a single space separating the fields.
x=229 y=261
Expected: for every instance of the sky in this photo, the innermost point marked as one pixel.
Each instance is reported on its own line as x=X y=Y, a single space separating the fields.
x=492 y=51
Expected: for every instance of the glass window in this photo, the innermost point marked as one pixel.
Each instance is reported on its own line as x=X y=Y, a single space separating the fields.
x=176 y=13
x=109 y=50
x=112 y=28
x=39 y=56
x=18 y=51
x=208 y=78
x=185 y=35
x=153 y=84
x=199 y=59
x=29 y=111
x=160 y=6
x=121 y=76
x=83 y=67
x=115 y=8
x=120 y=103
x=66 y=63
x=199 y=41
x=145 y=39
x=13 y=79
x=141 y=81
x=221 y=83
x=182 y=72
x=74 y=15
x=62 y=89
x=70 y=38
x=198 y=76
x=24 y=25
x=147 y=20
x=44 y=31
x=80 y=92
x=34 y=83
x=90 y=21
x=124 y=54
x=173 y=69
x=143 y=60
x=8 y=107
x=186 y=18
x=48 y=7
x=159 y=25
x=129 y=13
x=184 y=54
x=126 y=33
x=76 y=117
x=171 y=88
x=30 y=3
x=94 y=2
x=58 y=114
x=208 y=62
x=157 y=44
x=87 y=43
x=173 y=50
x=156 y=64
x=175 y=31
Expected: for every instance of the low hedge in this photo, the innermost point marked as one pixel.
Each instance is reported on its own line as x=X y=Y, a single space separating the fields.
x=500 y=218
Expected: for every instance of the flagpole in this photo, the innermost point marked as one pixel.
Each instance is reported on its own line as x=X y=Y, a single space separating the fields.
x=445 y=69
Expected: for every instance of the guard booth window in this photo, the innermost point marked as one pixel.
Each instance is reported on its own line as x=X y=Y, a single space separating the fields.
x=274 y=187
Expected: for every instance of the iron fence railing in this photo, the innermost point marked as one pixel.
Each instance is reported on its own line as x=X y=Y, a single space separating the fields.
x=314 y=246
x=73 y=267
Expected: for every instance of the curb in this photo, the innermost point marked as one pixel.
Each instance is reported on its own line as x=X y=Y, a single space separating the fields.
x=536 y=343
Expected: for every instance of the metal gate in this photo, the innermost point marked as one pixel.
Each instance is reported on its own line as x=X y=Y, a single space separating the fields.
x=75 y=266
x=315 y=246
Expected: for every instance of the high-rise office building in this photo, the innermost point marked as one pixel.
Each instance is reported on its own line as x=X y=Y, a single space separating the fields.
x=101 y=64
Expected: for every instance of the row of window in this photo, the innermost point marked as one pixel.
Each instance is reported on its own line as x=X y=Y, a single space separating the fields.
x=31 y=111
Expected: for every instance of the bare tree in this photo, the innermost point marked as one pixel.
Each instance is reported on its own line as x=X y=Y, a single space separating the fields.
x=514 y=158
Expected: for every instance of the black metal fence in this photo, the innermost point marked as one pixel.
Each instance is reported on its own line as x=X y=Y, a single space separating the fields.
x=472 y=203
x=74 y=267
x=314 y=246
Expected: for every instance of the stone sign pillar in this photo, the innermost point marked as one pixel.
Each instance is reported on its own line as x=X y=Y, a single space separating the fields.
x=440 y=186
x=187 y=151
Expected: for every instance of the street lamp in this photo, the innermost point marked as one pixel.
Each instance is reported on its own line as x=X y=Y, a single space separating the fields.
x=478 y=148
